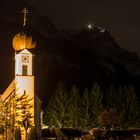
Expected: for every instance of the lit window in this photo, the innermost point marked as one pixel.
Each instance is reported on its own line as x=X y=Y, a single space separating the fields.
x=24 y=70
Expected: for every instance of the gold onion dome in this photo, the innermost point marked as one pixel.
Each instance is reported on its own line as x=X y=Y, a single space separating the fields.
x=22 y=41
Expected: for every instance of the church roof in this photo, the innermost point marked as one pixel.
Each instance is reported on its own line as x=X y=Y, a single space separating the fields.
x=25 y=51
x=8 y=91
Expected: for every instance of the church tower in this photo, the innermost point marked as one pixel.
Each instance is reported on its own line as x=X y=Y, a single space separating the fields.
x=24 y=71
x=24 y=77
x=21 y=106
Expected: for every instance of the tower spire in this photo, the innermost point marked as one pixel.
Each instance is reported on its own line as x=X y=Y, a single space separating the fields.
x=25 y=12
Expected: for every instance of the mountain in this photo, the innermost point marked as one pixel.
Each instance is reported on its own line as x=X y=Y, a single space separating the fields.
x=83 y=57
x=80 y=57
x=102 y=45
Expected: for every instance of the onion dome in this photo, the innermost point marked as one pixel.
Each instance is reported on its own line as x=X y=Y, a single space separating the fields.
x=22 y=41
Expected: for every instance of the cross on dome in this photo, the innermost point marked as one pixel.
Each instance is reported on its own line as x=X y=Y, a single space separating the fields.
x=22 y=40
x=25 y=12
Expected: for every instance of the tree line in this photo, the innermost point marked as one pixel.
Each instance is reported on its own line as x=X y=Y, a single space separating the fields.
x=117 y=108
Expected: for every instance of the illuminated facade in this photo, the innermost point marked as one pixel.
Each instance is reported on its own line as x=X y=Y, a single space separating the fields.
x=22 y=107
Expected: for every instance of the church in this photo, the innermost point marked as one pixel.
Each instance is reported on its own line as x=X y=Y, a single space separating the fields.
x=20 y=108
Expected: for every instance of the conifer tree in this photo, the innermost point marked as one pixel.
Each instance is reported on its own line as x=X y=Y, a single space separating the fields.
x=111 y=97
x=74 y=108
x=96 y=104
x=130 y=108
x=85 y=110
x=8 y=122
x=22 y=109
x=125 y=102
x=57 y=110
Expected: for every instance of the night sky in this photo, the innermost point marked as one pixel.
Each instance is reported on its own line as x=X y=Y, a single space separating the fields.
x=120 y=17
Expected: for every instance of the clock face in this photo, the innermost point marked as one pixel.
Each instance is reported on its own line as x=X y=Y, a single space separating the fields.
x=25 y=59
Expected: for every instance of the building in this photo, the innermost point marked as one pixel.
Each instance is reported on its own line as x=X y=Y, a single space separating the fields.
x=21 y=107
